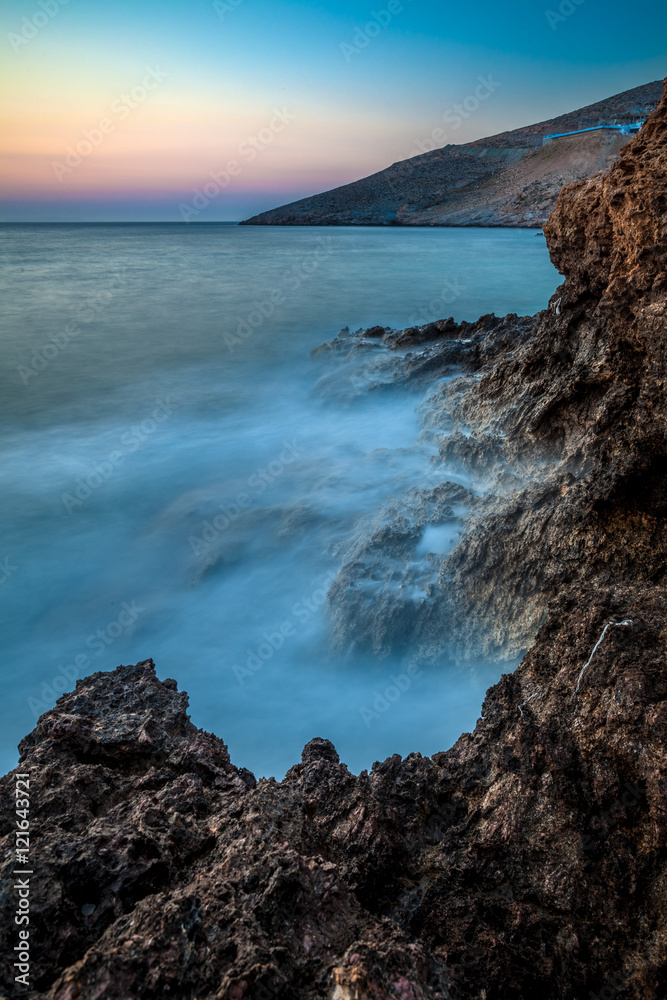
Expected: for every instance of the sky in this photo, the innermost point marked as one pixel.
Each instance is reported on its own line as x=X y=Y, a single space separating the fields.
x=214 y=110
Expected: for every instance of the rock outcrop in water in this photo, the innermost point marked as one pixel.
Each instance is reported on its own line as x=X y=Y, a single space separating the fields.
x=530 y=860
x=508 y=179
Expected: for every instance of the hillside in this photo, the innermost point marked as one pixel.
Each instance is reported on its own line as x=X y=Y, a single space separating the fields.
x=508 y=179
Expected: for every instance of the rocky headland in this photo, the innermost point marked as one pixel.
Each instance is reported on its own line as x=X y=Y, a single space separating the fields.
x=530 y=859
x=509 y=179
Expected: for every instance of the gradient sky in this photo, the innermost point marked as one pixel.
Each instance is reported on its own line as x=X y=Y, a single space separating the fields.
x=229 y=66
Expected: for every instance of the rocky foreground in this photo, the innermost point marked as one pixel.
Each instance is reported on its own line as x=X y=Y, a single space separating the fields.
x=508 y=179
x=530 y=860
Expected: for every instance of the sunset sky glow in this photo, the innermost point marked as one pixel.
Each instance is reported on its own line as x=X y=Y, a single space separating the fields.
x=122 y=111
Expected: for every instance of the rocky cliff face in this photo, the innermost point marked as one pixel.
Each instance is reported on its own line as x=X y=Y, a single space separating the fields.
x=559 y=425
x=531 y=858
x=502 y=180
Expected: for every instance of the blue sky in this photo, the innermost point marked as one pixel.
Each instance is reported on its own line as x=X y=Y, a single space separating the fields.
x=360 y=82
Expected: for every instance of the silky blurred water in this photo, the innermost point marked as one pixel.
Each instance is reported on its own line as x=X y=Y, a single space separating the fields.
x=175 y=481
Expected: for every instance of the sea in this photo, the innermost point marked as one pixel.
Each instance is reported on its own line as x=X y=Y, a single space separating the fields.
x=179 y=476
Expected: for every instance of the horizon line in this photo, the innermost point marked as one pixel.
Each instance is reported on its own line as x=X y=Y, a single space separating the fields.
x=119 y=222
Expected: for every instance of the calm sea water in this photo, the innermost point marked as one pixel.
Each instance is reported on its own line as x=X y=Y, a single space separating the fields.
x=175 y=482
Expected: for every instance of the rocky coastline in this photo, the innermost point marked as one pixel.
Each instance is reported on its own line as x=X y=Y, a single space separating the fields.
x=530 y=859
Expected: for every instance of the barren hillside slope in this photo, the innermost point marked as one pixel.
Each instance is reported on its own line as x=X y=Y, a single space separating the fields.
x=508 y=179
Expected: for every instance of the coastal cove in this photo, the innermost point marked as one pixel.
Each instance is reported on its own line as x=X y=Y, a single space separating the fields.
x=333 y=466
x=181 y=478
